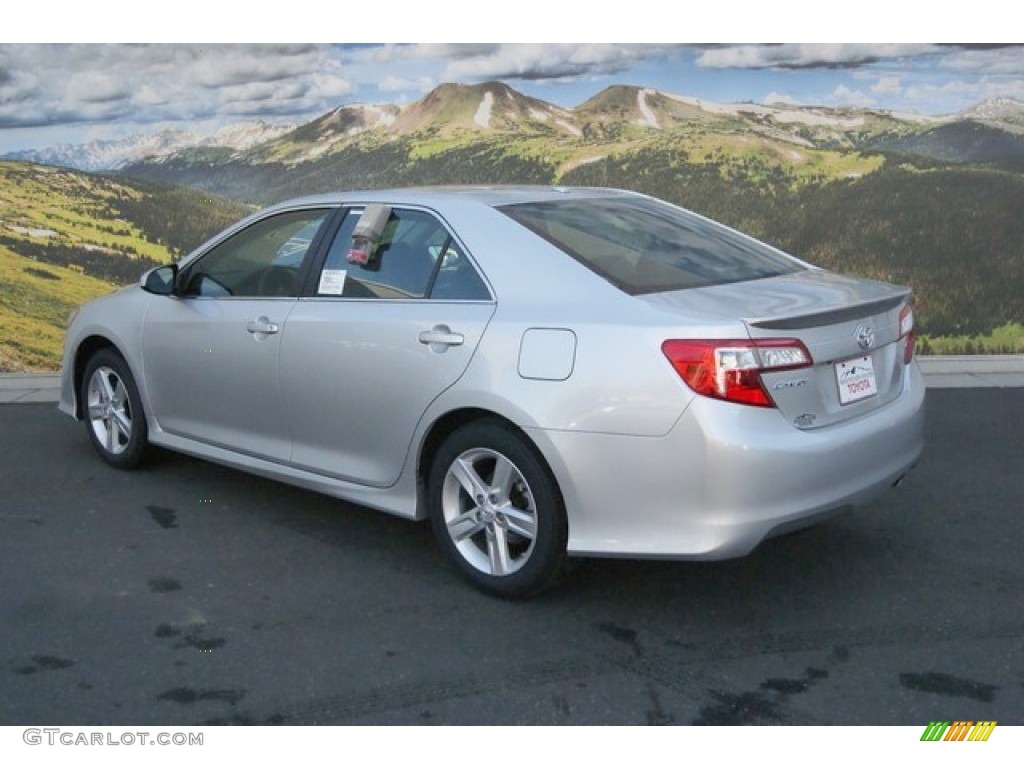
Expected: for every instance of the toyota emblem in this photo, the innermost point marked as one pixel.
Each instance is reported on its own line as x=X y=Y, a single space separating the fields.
x=865 y=336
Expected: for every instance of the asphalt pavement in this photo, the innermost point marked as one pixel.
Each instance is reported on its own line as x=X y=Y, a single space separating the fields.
x=186 y=593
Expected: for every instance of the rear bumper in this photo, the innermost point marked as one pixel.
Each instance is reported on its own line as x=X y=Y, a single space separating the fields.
x=727 y=477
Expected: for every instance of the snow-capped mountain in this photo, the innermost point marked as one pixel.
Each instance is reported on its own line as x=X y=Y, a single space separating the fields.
x=108 y=154
x=319 y=136
x=111 y=154
x=454 y=111
x=1001 y=108
x=239 y=136
x=491 y=106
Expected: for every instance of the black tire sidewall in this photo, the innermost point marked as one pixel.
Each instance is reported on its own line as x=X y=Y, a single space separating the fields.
x=549 y=552
x=135 y=453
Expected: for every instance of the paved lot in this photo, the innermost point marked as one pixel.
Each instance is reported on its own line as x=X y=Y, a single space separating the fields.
x=187 y=593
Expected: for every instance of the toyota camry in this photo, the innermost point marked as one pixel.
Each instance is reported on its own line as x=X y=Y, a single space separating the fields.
x=541 y=372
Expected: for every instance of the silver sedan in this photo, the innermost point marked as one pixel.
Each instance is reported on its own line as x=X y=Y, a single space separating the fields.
x=541 y=372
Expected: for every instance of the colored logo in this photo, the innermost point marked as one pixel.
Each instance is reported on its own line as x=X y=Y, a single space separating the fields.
x=959 y=730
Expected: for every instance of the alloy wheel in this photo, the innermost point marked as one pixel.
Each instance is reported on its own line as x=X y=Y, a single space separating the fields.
x=109 y=410
x=489 y=511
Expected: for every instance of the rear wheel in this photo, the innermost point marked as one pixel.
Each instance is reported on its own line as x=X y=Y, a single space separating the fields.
x=114 y=417
x=497 y=511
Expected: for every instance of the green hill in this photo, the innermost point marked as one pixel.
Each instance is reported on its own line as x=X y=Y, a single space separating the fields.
x=961 y=142
x=67 y=237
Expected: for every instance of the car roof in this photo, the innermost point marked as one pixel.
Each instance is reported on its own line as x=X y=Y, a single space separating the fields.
x=491 y=195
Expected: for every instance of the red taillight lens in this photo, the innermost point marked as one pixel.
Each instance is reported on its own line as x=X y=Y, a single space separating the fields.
x=907 y=333
x=730 y=369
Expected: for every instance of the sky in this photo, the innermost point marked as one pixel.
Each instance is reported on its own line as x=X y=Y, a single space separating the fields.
x=80 y=91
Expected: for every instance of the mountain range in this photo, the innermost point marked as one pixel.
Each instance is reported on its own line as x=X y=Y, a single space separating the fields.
x=930 y=202
x=934 y=203
x=991 y=129
x=107 y=155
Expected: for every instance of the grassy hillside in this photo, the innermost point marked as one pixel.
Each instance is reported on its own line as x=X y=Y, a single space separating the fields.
x=955 y=234
x=959 y=143
x=67 y=237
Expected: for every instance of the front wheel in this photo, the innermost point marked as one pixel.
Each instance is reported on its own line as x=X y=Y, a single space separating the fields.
x=497 y=511
x=113 y=410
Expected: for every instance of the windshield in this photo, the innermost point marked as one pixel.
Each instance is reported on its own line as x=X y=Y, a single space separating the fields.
x=642 y=245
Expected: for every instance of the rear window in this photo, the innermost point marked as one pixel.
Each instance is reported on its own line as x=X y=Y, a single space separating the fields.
x=642 y=245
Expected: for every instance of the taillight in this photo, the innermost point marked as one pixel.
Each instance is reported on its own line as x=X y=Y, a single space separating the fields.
x=730 y=369
x=907 y=332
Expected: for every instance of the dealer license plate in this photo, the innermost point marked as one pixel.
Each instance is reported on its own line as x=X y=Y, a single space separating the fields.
x=856 y=379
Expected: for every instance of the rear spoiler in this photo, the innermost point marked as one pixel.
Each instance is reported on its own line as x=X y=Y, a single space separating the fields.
x=833 y=316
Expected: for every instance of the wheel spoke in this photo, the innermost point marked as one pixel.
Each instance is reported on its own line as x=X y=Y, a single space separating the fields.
x=107 y=392
x=520 y=522
x=497 y=550
x=468 y=478
x=124 y=424
x=111 y=435
x=465 y=525
x=504 y=475
x=119 y=394
x=97 y=411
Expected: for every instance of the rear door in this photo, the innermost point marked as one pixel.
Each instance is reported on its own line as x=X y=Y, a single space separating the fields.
x=370 y=348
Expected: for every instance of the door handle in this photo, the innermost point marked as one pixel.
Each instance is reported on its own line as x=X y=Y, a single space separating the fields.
x=441 y=336
x=262 y=325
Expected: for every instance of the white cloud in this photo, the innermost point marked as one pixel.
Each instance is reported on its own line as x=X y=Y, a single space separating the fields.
x=388 y=53
x=233 y=65
x=95 y=87
x=990 y=61
x=148 y=96
x=326 y=87
x=18 y=87
x=844 y=96
x=51 y=84
x=807 y=55
x=887 y=84
x=547 y=61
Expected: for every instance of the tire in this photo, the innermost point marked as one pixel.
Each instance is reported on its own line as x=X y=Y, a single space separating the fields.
x=114 y=418
x=497 y=511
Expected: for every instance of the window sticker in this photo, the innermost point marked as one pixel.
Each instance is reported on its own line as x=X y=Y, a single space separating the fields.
x=332 y=282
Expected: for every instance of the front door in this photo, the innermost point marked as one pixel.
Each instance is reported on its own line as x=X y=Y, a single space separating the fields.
x=211 y=353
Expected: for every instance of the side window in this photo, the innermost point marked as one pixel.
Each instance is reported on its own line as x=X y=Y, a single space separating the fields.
x=405 y=264
x=262 y=260
x=457 y=280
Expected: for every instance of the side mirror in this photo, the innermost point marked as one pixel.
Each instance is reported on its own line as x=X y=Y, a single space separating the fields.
x=160 y=280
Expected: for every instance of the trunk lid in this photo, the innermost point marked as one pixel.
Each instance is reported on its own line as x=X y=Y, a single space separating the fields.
x=851 y=327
